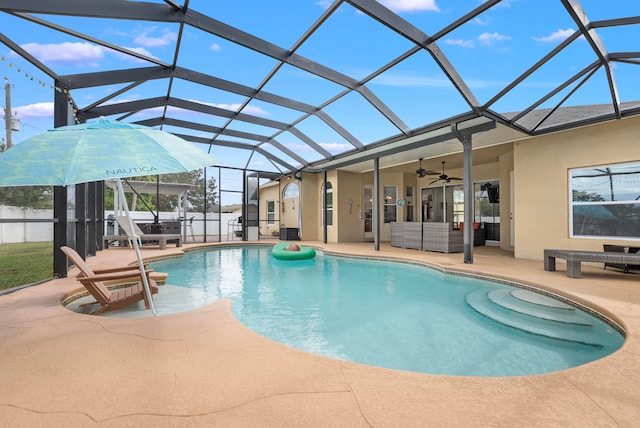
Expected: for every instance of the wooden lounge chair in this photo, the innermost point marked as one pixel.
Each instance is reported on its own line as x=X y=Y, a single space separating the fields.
x=160 y=238
x=94 y=282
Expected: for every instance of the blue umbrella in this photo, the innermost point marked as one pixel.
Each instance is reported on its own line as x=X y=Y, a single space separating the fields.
x=99 y=150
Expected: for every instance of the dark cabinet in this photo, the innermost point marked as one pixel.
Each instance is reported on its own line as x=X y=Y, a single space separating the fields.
x=289 y=234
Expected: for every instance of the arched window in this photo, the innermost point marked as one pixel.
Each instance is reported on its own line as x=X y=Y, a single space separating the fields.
x=291 y=191
x=329 y=204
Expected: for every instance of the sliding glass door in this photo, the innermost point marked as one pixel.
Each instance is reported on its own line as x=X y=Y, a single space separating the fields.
x=442 y=204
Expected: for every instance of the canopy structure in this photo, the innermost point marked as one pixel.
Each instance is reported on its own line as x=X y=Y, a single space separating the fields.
x=147 y=187
x=293 y=86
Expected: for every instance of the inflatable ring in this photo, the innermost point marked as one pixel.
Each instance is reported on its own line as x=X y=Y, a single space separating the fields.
x=280 y=252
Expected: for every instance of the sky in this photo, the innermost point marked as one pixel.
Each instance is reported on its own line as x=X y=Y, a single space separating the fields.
x=488 y=53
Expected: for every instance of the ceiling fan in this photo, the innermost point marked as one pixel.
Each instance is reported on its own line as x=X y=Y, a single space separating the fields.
x=444 y=178
x=421 y=172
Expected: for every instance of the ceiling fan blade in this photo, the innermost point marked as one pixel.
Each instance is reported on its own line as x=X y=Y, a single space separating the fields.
x=421 y=172
x=424 y=172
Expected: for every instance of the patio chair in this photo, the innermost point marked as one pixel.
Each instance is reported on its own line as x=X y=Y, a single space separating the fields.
x=161 y=238
x=127 y=277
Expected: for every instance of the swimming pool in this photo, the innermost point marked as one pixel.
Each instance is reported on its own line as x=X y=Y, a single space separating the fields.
x=392 y=314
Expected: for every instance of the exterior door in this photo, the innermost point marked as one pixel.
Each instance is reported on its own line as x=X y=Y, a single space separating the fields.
x=432 y=204
x=367 y=211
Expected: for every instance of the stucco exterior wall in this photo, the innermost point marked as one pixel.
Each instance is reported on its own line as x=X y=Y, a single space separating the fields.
x=534 y=190
x=348 y=202
x=505 y=170
x=541 y=192
x=267 y=193
x=288 y=209
x=310 y=206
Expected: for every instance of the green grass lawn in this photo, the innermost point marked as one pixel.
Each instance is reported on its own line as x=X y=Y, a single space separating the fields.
x=25 y=263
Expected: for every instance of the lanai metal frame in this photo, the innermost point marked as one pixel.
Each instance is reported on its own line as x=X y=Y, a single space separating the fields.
x=476 y=118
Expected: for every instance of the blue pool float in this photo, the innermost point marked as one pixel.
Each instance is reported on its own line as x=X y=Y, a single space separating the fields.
x=280 y=252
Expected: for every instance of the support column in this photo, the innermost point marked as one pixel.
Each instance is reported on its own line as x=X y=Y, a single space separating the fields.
x=465 y=139
x=376 y=204
x=98 y=217
x=60 y=118
x=59 y=231
x=325 y=229
x=206 y=208
x=82 y=237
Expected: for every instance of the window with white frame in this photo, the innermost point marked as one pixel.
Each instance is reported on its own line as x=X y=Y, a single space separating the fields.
x=291 y=191
x=605 y=201
x=390 y=207
x=327 y=200
x=271 y=211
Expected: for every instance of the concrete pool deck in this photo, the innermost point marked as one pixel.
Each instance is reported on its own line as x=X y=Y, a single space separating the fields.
x=204 y=368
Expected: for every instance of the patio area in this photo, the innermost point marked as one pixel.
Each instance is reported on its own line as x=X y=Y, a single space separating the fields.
x=204 y=368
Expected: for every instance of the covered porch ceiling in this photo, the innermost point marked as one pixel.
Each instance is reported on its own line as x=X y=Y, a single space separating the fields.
x=291 y=85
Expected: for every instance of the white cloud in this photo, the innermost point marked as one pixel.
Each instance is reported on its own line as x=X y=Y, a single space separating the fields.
x=141 y=51
x=336 y=147
x=330 y=147
x=215 y=47
x=298 y=148
x=460 y=42
x=127 y=57
x=556 y=36
x=324 y=3
x=66 y=53
x=482 y=21
x=34 y=111
x=491 y=38
x=503 y=3
x=146 y=39
x=255 y=111
x=81 y=54
x=252 y=110
x=410 y=5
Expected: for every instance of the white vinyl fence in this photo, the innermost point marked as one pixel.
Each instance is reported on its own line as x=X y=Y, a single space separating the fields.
x=16 y=232
x=11 y=233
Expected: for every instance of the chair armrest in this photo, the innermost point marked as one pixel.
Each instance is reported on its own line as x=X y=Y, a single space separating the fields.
x=130 y=274
x=119 y=269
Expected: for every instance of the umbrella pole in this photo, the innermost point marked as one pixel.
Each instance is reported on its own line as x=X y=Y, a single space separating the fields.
x=135 y=241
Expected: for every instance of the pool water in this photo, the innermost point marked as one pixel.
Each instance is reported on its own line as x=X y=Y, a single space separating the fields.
x=387 y=314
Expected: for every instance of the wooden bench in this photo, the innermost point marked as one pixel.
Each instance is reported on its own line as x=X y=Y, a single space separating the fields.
x=574 y=259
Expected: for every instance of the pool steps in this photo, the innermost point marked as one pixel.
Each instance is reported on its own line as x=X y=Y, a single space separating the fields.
x=544 y=307
x=535 y=314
